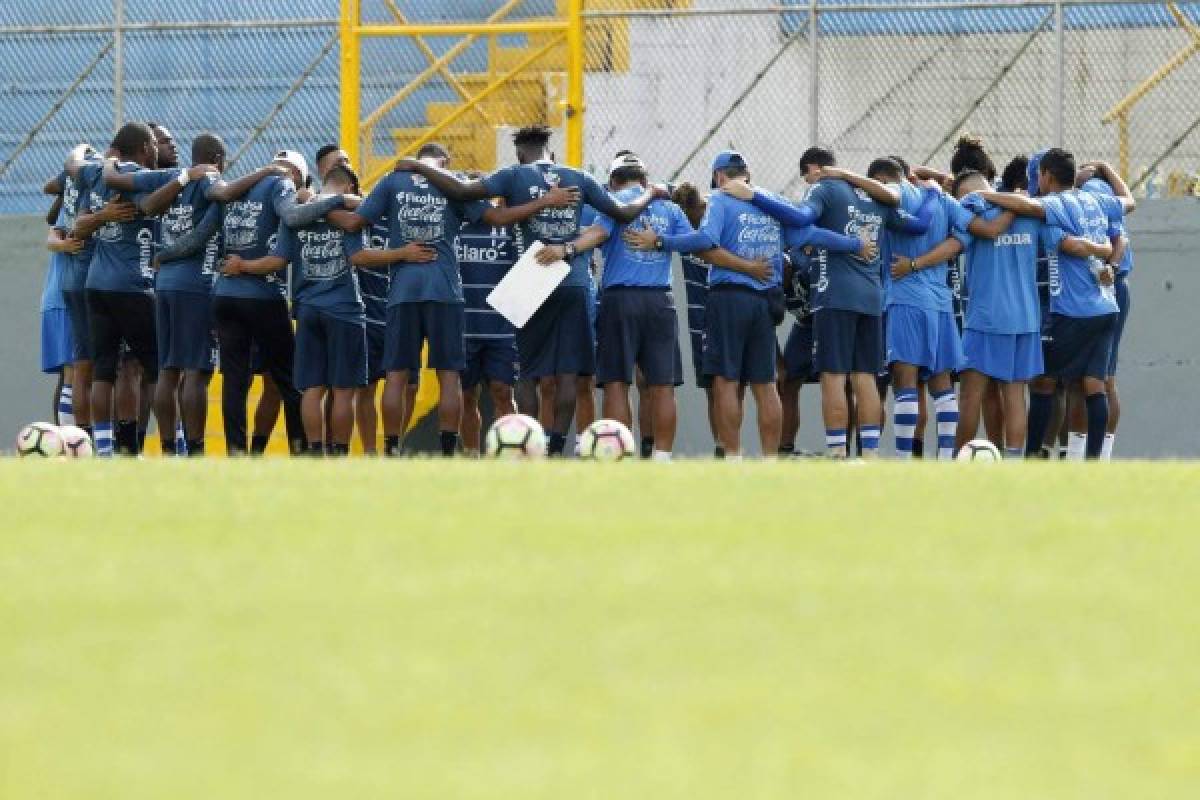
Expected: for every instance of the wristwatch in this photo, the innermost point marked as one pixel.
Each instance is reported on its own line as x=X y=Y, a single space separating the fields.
x=658 y=243
x=569 y=250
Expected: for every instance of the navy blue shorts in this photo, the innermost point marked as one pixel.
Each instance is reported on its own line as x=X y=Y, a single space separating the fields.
x=375 y=336
x=638 y=327
x=490 y=360
x=329 y=351
x=409 y=325
x=739 y=340
x=847 y=341
x=1123 y=303
x=1078 y=347
x=558 y=338
x=77 y=310
x=799 y=360
x=185 y=331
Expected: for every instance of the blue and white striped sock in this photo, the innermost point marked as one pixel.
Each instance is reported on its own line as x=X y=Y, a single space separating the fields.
x=103 y=436
x=869 y=436
x=945 y=406
x=66 y=405
x=904 y=420
x=835 y=442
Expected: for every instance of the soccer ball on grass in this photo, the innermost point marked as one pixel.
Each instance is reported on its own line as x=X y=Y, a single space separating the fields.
x=39 y=439
x=978 y=450
x=607 y=440
x=76 y=442
x=515 y=436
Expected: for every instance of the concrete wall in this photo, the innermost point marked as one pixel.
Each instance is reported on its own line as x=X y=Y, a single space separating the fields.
x=1160 y=369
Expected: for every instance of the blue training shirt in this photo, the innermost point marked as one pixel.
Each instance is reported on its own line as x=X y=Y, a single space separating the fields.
x=844 y=280
x=1002 y=272
x=250 y=230
x=195 y=273
x=417 y=211
x=928 y=288
x=1074 y=290
x=322 y=275
x=124 y=252
x=624 y=266
x=485 y=255
x=746 y=231
x=374 y=284
x=521 y=183
x=1101 y=189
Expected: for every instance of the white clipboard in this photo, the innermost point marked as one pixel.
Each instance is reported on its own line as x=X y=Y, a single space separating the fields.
x=526 y=286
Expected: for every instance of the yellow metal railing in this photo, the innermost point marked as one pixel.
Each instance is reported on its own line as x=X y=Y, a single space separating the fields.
x=1120 y=112
x=357 y=130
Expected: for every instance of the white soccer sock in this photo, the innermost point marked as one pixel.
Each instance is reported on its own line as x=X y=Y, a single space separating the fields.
x=66 y=405
x=945 y=407
x=1106 y=450
x=661 y=455
x=1076 y=446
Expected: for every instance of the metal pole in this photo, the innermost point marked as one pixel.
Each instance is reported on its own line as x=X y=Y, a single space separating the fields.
x=349 y=134
x=1060 y=72
x=814 y=100
x=118 y=64
x=575 y=91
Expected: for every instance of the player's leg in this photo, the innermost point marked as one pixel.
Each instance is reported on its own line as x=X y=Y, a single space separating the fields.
x=993 y=414
x=617 y=337
x=310 y=371
x=728 y=415
x=105 y=335
x=81 y=383
x=972 y=386
x=166 y=403
x=758 y=370
x=444 y=326
x=945 y=406
x=272 y=331
x=585 y=405
x=907 y=352
x=616 y=402
x=526 y=394
x=266 y=411
x=233 y=338
x=401 y=360
x=1102 y=332
x=1124 y=303
x=366 y=415
x=312 y=412
x=660 y=367
x=348 y=368
x=1013 y=397
x=833 y=344
x=472 y=421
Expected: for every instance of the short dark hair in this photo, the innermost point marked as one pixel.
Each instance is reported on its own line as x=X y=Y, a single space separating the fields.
x=532 y=136
x=885 y=168
x=969 y=154
x=343 y=172
x=627 y=174
x=131 y=138
x=962 y=178
x=907 y=170
x=1015 y=175
x=1060 y=165
x=816 y=157
x=207 y=148
x=733 y=173
x=324 y=151
x=433 y=150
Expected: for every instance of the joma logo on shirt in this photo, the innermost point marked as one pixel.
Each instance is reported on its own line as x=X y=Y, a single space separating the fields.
x=1014 y=239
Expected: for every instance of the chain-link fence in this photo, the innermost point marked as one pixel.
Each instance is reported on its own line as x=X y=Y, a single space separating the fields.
x=261 y=73
x=679 y=80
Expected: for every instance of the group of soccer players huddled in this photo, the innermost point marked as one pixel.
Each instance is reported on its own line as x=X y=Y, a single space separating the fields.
x=993 y=297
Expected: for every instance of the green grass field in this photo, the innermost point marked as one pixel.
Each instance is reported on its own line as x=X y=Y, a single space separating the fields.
x=294 y=629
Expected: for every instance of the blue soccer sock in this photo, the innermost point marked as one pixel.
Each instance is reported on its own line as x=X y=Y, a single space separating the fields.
x=66 y=405
x=1040 y=408
x=104 y=439
x=869 y=436
x=904 y=420
x=1097 y=422
x=181 y=447
x=835 y=442
x=1013 y=452
x=945 y=406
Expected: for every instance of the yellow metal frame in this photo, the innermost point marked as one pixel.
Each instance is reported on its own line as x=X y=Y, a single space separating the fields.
x=354 y=126
x=1121 y=111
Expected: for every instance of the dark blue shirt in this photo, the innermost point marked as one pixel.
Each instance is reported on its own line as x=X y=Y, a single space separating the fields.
x=322 y=275
x=485 y=255
x=124 y=254
x=195 y=273
x=374 y=283
x=522 y=183
x=250 y=230
x=418 y=212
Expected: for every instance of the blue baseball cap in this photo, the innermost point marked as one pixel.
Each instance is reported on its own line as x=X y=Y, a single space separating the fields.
x=726 y=159
x=1031 y=171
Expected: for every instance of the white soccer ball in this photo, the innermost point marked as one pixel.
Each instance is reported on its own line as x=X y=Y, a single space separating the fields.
x=515 y=436
x=76 y=442
x=40 y=439
x=607 y=440
x=978 y=450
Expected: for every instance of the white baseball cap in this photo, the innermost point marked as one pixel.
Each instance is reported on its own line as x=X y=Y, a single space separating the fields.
x=626 y=160
x=296 y=160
